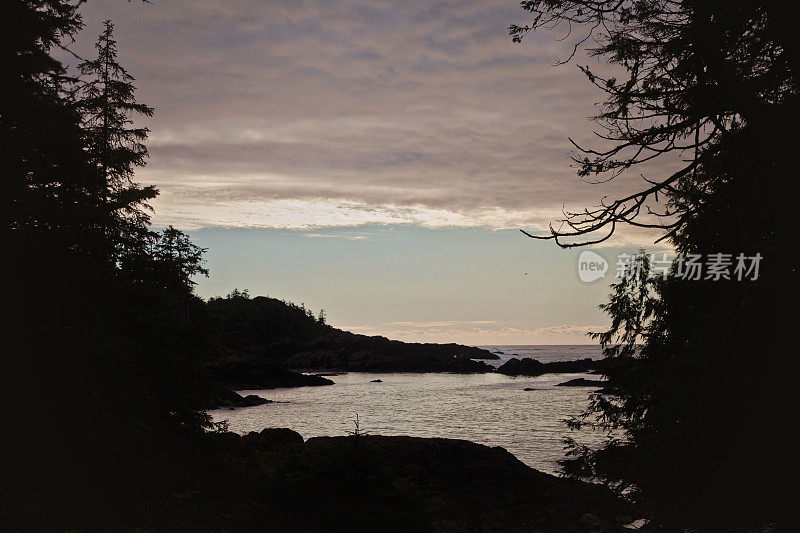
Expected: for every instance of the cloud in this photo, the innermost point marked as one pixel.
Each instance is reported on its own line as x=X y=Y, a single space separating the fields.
x=328 y=236
x=440 y=324
x=566 y=329
x=311 y=114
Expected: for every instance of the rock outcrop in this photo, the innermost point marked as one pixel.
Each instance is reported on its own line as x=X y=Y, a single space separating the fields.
x=358 y=353
x=533 y=367
x=241 y=375
x=583 y=382
x=409 y=484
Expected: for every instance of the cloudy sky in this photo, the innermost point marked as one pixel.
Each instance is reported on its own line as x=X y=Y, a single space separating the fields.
x=372 y=158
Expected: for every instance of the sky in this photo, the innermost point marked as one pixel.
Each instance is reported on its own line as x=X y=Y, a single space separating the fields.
x=374 y=159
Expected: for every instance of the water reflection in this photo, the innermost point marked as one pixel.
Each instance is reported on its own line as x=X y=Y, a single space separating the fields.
x=491 y=409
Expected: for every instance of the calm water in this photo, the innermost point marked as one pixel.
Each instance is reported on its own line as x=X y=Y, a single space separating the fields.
x=544 y=353
x=490 y=409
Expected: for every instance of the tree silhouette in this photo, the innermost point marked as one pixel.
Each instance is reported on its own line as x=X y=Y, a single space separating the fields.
x=696 y=75
x=709 y=86
x=101 y=302
x=46 y=178
x=632 y=305
x=114 y=144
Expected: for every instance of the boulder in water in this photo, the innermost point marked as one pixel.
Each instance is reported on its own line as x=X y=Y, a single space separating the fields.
x=582 y=382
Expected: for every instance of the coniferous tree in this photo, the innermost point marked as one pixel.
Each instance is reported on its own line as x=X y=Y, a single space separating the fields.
x=179 y=260
x=116 y=146
x=39 y=128
x=95 y=290
x=709 y=87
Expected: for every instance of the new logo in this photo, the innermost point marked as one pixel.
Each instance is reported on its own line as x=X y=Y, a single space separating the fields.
x=591 y=266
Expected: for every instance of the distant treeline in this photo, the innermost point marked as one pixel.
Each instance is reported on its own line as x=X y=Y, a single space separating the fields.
x=266 y=330
x=241 y=320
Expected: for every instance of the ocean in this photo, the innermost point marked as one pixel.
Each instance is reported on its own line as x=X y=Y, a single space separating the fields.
x=490 y=409
x=545 y=353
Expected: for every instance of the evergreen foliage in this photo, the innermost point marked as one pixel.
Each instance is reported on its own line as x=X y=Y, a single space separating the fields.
x=709 y=87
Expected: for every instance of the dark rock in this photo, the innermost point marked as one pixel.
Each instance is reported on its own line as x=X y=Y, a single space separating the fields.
x=582 y=382
x=528 y=388
x=590 y=520
x=272 y=480
x=251 y=400
x=376 y=381
x=273 y=438
x=463 y=485
x=257 y=375
x=521 y=367
x=218 y=396
x=533 y=367
x=358 y=353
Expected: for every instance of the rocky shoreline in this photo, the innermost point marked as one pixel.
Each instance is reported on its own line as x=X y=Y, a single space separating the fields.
x=408 y=483
x=255 y=375
x=347 y=352
x=533 y=367
x=311 y=367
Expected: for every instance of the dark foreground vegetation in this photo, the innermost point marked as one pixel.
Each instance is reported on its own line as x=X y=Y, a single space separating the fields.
x=227 y=482
x=695 y=109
